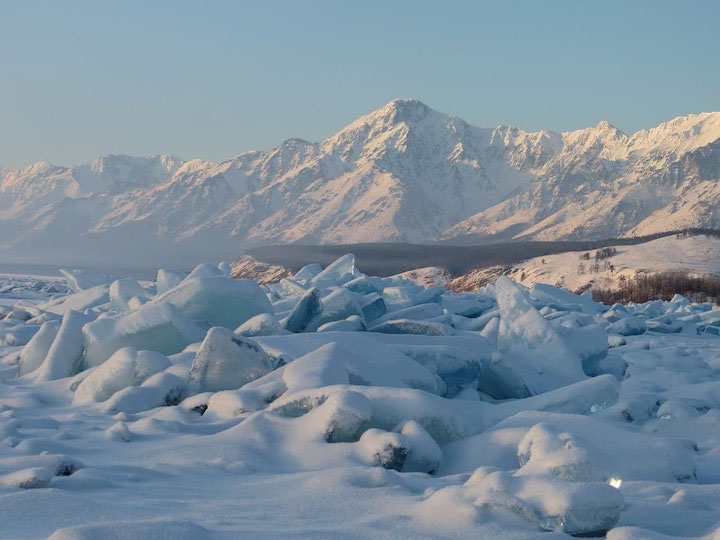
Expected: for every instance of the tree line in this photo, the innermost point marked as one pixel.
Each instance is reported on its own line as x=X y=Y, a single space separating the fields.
x=661 y=286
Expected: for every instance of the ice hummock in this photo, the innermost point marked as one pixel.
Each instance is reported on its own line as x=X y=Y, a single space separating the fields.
x=508 y=412
x=158 y=326
x=216 y=300
x=227 y=361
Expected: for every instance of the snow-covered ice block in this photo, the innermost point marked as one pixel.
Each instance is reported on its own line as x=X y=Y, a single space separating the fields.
x=367 y=361
x=430 y=295
x=307 y=272
x=337 y=414
x=217 y=301
x=205 y=270
x=373 y=306
x=22 y=314
x=664 y=325
x=471 y=342
x=445 y=420
x=579 y=509
x=226 y=361
x=354 y=323
x=588 y=342
x=498 y=446
x=456 y=366
x=399 y=297
x=232 y=403
x=306 y=309
x=284 y=304
x=628 y=326
x=79 y=301
x=534 y=357
x=383 y=449
x=633 y=407
x=491 y=448
x=608 y=451
x=18 y=335
x=167 y=279
x=45 y=316
x=323 y=367
x=289 y=287
x=424 y=454
x=680 y=300
x=712 y=330
x=34 y=353
x=416 y=313
x=336 y=306
x=161 y=390
x=564 y=299
x=80 y=280
x=263 y=324
x=652 y=309
x=491 y=330
x=338 y=272
x=225 y=268
x=711 y=316
x=525 y=504
x=122 y=290
x=466 y=305
x=569 y=319
x=64 y=358
x=127 y=367
x=155 y=327
x=366 y=285
x=584 y=397
x=407 y=326
x=616 y=312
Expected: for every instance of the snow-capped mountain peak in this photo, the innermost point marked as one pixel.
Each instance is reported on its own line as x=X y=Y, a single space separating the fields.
x=681 y=134
x=403 y=172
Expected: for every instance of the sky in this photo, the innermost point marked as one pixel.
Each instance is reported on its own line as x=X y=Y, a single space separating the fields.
x=211 y=79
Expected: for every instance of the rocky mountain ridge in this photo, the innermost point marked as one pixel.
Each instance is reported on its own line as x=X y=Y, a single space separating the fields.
x=404 y=172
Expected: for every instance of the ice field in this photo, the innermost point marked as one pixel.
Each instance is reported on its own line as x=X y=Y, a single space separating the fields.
x=335 y=404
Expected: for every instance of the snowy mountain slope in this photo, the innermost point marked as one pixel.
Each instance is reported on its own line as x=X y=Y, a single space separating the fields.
x=604 y=184
x=698 y=255
x=401 y=173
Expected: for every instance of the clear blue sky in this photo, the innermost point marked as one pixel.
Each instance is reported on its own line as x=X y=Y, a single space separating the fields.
x=211 y=79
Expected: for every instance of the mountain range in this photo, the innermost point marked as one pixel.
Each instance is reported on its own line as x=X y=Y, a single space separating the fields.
x=404 y=172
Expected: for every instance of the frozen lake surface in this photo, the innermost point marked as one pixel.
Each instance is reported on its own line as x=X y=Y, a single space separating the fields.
x=335 y=404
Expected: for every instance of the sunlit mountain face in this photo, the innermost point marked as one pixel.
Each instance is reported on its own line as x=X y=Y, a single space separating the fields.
x=401 y=173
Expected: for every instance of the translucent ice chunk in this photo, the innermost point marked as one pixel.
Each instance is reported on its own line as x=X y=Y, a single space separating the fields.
x=226 y=361
x=155 y=327
x=338 y=272
x=217 y=301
